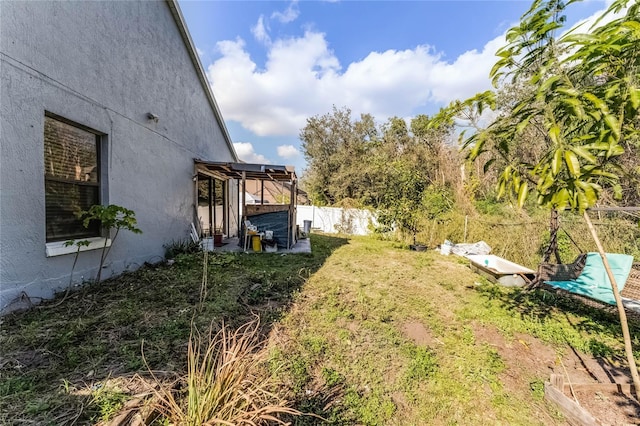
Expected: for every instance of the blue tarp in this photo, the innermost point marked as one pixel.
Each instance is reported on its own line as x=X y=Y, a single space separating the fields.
x=276 y=222
x=593 y=281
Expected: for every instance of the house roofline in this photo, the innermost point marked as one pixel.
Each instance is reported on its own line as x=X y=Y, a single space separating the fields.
x=202 y=76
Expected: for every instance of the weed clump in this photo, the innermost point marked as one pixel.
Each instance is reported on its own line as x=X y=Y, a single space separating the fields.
x=226 y=382
x=177 y=247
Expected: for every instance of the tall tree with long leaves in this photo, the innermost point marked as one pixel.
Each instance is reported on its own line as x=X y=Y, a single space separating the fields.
x=582 y=102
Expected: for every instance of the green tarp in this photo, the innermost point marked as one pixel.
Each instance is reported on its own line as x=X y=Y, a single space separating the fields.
x=593 y=281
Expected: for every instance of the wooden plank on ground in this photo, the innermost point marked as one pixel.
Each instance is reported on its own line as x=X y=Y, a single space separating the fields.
x=604 y=387
x=557 y=380
x=574 y=414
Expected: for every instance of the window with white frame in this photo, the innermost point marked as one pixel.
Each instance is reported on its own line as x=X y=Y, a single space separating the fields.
x=71 y=178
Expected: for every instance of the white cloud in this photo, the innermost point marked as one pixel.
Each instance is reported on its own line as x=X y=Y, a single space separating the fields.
x=247 y=153
x=199 y=51
x=466 y=76
x=588 y=24
x=288 y=151
x=289 y=15
x=260 y=32
x=302 y=77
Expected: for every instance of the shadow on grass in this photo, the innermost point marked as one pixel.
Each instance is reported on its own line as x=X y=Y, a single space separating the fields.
x=542 y=303
x=97 y=332
x=589 y=317
x=321 y=403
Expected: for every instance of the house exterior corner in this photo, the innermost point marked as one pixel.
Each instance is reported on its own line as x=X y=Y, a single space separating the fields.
x=102 y=103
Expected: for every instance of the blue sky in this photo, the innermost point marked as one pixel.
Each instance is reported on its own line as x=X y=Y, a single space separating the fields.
x=273 y=64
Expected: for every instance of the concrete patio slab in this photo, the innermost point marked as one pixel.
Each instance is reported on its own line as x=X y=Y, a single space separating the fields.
x=233 y=245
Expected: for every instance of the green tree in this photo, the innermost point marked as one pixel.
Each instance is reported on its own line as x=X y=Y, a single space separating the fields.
x=335 y=147
x=582 y=101
x=387 y=167
x=400 y=205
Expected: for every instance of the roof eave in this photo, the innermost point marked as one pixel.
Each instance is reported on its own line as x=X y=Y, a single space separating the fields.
x=202 y=76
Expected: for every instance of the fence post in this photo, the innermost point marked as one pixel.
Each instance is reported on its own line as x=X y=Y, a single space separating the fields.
x=464 y=238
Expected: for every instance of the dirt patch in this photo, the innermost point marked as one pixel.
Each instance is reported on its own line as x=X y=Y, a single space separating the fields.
x=522 y=354
x=417 y=332
x=611 y=408
x=587 y=369
x=528 y=358
x=349 y=325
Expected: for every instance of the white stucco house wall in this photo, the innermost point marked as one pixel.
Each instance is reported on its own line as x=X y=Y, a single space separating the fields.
x=100 y=102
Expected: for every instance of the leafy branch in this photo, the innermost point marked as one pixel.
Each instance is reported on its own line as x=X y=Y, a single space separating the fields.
x=110 y=217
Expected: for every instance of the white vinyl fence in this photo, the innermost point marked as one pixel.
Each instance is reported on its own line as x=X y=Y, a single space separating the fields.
x=336 y=220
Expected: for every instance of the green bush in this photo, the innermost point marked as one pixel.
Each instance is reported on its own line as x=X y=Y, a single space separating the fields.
x=176 y=247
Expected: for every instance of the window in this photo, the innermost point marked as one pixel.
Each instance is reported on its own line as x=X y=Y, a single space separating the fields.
x=71 y=178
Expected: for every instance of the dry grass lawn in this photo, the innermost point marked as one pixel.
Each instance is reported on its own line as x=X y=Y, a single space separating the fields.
x=362 y=331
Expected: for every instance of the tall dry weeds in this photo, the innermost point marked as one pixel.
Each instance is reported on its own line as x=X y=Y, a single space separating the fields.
x=226 y=382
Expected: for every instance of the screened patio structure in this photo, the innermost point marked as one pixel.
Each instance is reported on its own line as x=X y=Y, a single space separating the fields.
x=280 y=218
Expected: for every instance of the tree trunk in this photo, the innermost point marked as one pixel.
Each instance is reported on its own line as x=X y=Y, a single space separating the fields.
x=552 y=248
x=623 y=315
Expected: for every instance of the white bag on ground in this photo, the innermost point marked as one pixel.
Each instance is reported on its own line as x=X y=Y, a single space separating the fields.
x=475 y=248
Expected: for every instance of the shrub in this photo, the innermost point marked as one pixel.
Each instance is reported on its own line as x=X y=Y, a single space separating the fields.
x=185 y=246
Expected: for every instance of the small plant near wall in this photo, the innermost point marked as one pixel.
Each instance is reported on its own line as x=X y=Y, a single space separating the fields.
x=111 y=217
x=184 y=246
x=79 y=244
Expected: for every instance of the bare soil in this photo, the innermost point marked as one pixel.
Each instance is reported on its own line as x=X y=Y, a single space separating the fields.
x=611 y=408
x=525 y=355
x=417 y=332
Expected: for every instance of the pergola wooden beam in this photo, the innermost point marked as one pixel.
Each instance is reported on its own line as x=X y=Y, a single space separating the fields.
x=249 y=170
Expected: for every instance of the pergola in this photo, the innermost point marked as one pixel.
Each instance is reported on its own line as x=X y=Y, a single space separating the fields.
x=241 y=172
